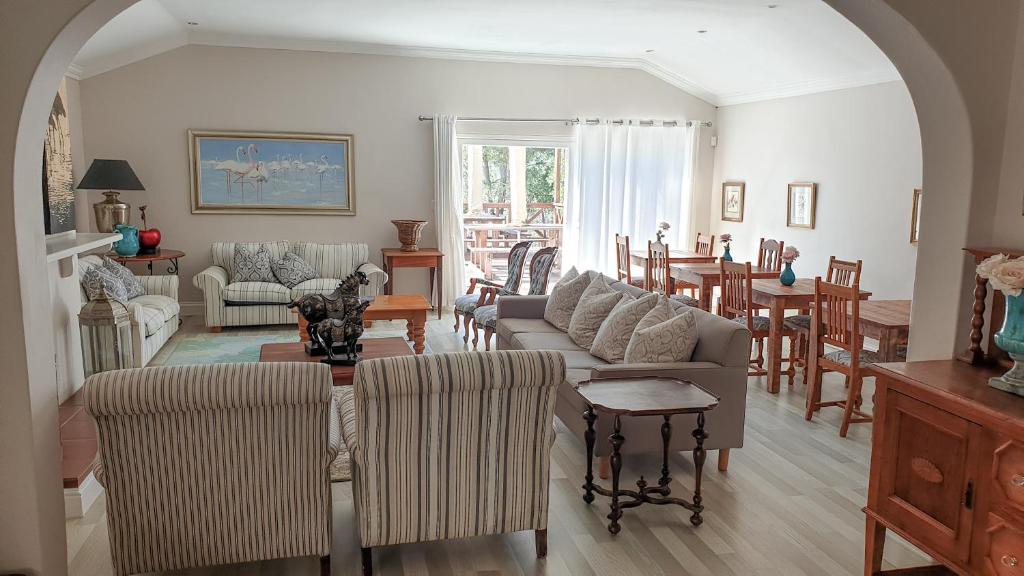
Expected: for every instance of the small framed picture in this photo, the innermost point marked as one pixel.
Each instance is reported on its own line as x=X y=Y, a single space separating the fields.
x=802 y=203
x=732 y=201
x=915 y=217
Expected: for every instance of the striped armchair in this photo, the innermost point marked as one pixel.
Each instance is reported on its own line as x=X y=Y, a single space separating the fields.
x=477 y=461
x=218 y=464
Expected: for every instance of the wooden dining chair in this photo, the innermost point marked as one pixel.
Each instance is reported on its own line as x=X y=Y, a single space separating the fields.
x=659 y=277
x=736 y=303
x=842 y=272
x=623 y=263
x=769 y=254
x=837 y=324
x=705 y=246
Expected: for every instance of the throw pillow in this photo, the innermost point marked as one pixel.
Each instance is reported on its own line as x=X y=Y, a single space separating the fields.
x=97 y=279
x=292 y=270
x=249 y=267
x=133 y=286
x=593 y=308
x=663 y=336
x=614 y=334
x=564 y=297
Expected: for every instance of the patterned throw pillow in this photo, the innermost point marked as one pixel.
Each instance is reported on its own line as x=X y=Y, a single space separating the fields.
x=97 y=279
x=663 y=335
x=251 y=267
x=131 y=284
x=564 y=297
x=614 y=334
x=596 y=302
x=292 y=270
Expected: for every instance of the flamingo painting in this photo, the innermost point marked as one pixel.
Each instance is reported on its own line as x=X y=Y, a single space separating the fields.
x=275 y=167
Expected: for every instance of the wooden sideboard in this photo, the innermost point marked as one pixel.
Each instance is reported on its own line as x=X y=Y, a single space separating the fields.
x=947 y=468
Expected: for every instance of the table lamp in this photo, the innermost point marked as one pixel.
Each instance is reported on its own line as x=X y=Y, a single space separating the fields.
x=112 y=176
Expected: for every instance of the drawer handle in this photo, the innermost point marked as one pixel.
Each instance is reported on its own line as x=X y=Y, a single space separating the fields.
x=1009 y=560
x=1017 y=480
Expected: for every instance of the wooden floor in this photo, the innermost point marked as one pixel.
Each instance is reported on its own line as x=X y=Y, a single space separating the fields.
x=789 y=505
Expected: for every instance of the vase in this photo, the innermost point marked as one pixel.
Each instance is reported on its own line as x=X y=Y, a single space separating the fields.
x=1011 y=339
x=726 y=256
x=787 y=277
x=128 y=245
x=409 y=232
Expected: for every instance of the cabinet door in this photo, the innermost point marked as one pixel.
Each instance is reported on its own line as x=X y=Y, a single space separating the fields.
x=926 y=483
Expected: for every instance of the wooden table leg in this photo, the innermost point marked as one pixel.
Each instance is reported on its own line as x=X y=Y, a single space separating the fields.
x=874 y=544
x=666 y=438
x=616 y=440
x=887 y=341
x=440 y=285
x=776 y=314
x=430 y=285
x=588 y=436
x=415 y=330
x=707 y=288
x=699 y=456
x=390 y=271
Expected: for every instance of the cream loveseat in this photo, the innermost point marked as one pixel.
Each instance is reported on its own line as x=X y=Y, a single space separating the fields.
x=154 y=314
x=719 y=364
x=229 y=303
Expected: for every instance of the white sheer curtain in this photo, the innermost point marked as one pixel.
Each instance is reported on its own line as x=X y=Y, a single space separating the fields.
x=448 y=205
x=626 y=179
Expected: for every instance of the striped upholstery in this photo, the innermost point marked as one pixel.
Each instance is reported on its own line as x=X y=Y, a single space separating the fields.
x=216 y=464
x=451 y=445
x=333 y=261
x=256 y=293
x=315 y=286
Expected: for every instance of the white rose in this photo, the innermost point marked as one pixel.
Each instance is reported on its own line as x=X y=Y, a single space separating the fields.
x=1009 y=277
x=989 y=264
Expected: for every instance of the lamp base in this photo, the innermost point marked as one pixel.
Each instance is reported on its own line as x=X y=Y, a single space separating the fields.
x=111 y=212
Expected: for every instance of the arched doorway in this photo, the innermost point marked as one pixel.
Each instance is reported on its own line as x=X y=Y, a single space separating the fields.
x=39 y=43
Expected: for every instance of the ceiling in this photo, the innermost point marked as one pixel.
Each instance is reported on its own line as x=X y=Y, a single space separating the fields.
x=748 y=50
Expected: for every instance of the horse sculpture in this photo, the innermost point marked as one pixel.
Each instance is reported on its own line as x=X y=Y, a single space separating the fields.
x=327 y=332
x=336 y=306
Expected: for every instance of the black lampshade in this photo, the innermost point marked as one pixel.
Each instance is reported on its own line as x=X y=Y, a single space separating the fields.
x=110 y=175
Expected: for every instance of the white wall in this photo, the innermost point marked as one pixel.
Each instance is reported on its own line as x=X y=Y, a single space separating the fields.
x=861 y=146
x=141 y=113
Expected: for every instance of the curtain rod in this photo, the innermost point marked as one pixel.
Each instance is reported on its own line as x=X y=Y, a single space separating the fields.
x=702 y=124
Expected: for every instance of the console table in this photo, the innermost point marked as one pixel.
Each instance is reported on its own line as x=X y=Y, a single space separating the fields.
x=947 y=468
x=431 y=258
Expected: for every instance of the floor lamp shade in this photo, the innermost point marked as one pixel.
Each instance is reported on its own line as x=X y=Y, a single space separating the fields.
x=112 y=176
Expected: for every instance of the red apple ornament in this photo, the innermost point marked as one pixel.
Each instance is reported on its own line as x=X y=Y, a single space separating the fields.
x=149 y=238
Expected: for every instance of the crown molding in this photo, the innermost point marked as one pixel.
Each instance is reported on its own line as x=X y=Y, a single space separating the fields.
x=814 y=86
x=74 y=71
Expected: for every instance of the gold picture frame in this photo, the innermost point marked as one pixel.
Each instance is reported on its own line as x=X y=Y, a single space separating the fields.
x=801 y=205
x=915 y=216
x=271 y=173
x=732 y=201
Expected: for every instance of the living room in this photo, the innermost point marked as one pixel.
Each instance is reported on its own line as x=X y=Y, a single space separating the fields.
x=541 y=169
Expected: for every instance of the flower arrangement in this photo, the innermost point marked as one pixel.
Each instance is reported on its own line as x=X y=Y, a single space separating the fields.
x=1005 y=274
x=726 y=239
x=789 y=254
x=662 y=228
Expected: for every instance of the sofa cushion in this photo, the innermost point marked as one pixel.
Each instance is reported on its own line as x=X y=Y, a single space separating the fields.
x=256 y=293
x=97 y=279
x=315 y=286
x=564 y=297
x=580 y=359
x=595 y=304
x=663 y=335
x=507 y=327
x=544 y=341
x=577 y=375
x=250 y=266
x=224 y=252
x=291 y=270
x=131 y=284
x=614 y=334
x=167 y=306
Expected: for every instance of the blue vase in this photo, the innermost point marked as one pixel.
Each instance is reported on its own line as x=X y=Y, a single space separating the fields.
x=128 y=245
x=1011 y=339
x=726 y=256
x=787 y=277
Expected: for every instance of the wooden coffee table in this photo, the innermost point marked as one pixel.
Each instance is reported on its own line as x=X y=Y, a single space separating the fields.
x=411 y=308
x=372 y=348
x=664 y=397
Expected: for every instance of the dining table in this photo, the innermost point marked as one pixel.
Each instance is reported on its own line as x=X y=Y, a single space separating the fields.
x=887 y=321
x=707 y=276
x=777 y=298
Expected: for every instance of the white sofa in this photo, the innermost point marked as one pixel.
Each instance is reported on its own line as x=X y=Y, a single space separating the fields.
x=230 y=303
x=154 y=315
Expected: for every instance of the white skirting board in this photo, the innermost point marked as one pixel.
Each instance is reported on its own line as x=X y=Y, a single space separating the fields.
x=77 y=501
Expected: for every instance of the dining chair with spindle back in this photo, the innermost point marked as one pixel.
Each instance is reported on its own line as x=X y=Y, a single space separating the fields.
x=836 y=316
x=769 y=254
x=737 y=303
x=624 y=269
x=841 y=272
x=705 y=246
x=658 y=273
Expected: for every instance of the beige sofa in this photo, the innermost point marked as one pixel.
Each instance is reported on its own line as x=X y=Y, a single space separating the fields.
x=719 y=364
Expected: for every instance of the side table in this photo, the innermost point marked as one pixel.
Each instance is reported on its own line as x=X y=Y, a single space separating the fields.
x=431 y=258
x=637 y=397
x=171 y=256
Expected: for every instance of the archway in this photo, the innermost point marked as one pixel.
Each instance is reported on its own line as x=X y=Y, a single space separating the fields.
x=36 y=48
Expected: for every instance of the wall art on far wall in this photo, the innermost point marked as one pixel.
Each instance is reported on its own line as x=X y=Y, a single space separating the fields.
x=732 y=201
x=271 y=173
x=58 y=182
x=801 y=205
x=915 y=217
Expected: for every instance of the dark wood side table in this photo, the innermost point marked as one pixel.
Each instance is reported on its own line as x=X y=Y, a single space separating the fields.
x=431 y=258
x=637 y=397
x=171 y=256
